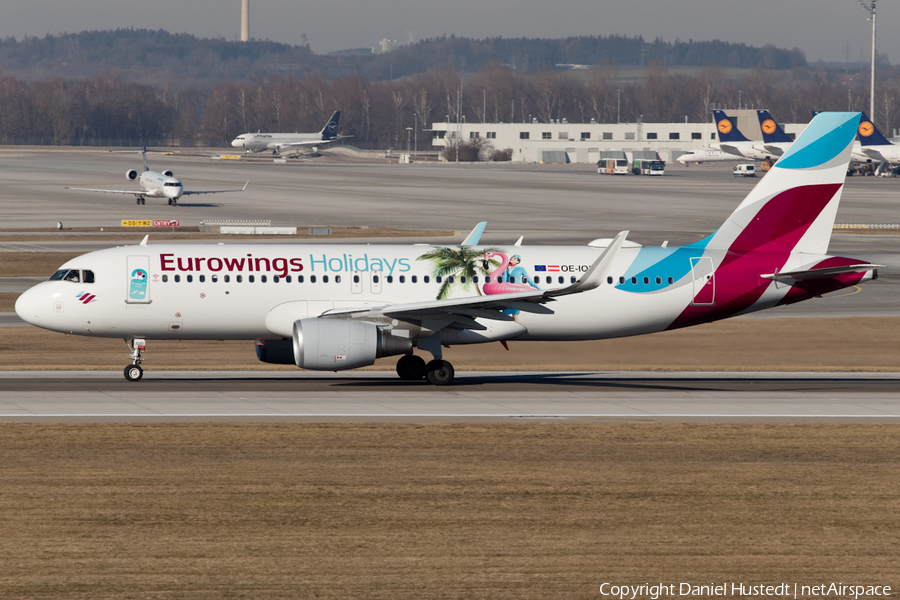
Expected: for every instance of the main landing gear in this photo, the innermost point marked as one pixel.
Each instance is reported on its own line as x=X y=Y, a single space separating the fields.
x=141 y=200
x=437 y=372
x=134 y=372
x=173 y=201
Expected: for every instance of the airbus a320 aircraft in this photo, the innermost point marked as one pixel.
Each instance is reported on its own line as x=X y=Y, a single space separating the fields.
x=331 y=308
x=280 y=142
x=874 y=147
x=155 y=185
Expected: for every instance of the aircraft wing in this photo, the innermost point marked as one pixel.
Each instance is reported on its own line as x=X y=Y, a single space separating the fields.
x=871 y=152
x=134 y=192
x=214 y=191
x=308 y=143
x=460 y=313
x=730 y=149
x=772 y=149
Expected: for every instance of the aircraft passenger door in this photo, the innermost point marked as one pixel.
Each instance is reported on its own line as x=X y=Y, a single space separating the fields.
x=376 y=282
x=704 y=281
x=137 y=280
x=356 y=282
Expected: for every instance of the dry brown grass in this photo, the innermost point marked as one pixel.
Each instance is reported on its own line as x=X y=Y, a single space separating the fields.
x=857 y=344
x=440 y=511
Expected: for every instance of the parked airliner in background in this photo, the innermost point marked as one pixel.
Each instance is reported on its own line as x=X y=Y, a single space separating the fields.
x=155 y=185
x=775 y=140
x=337 y=307
x=731 y=139
x=297 y=142
x=874 y=147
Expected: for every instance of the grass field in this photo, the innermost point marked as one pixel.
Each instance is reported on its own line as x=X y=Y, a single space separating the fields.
x=440 y=511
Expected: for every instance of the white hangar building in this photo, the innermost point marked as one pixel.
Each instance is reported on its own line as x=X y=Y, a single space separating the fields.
x=564 y=141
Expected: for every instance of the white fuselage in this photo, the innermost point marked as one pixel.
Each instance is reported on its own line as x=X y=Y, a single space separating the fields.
x=158 y=185
x=260 y=142
x=707 y=155
x=253 y=291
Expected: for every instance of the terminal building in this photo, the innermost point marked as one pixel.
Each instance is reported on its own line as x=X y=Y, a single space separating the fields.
x=562 y=141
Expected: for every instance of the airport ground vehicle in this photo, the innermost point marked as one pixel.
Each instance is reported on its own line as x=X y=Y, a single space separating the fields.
x=648 y=167
x=613 y=166
x=745 y=170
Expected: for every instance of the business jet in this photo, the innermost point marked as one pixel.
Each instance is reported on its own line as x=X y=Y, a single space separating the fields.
x=155 y=185
x=280 y=142
x=332 y=308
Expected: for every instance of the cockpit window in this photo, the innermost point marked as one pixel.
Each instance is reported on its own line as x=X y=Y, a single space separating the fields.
x=59 y=275
x=73 y=275
x=87 y=276
x=171 y=184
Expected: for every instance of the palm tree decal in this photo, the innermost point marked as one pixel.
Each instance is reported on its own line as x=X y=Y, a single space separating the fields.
x=459 y=262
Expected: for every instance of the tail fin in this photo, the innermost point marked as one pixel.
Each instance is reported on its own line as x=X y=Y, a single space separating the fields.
x=869 y=135
x=771 y=130
x=794 y=205
x=329 y=132
x=728 y=131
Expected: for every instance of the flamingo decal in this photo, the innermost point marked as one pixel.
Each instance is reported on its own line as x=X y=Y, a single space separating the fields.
x=497 y=285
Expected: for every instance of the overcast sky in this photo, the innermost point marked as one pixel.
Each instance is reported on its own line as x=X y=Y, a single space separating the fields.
x=823 y=29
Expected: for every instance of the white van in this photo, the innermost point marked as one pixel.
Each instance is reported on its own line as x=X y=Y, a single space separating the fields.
x=745 y=170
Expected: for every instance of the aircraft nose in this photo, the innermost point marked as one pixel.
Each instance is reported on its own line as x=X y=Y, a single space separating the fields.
x=236 y=143
x=28 y=307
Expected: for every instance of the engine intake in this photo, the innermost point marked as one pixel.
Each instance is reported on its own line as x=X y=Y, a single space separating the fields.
x=338 y=345
x=168 y=173
x=131 y=174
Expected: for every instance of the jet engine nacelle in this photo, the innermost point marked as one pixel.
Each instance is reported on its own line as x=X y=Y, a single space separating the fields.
x=131 y=174
x=168 y=173
x=275 y=352
x=338 y=344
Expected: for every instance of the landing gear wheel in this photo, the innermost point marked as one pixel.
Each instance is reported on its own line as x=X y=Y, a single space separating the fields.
x=411 y=367
x=439 y=372
x=134 y=372
x=170 y=202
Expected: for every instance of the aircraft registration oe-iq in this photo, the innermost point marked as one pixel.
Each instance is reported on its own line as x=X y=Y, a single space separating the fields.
x=337 y=307
x=155 y=185
x=296 y=142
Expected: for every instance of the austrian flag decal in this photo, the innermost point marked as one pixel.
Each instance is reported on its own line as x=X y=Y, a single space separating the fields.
x=85 y=297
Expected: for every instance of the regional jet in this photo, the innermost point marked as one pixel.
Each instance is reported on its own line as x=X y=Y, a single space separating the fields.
x=707 y=155
x=337 y=307
x=281 y=142
x=155 y=185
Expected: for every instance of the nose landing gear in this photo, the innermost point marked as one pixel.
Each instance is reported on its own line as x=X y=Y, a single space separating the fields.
x=134 y=372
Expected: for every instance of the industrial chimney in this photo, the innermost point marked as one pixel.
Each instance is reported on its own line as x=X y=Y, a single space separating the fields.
x=245 y=20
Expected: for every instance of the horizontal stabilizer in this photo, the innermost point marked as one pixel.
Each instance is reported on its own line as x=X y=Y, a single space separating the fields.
x=824 y=273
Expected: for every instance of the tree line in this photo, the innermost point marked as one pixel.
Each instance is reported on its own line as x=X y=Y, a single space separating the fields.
x=376 y=113
x=183 y=60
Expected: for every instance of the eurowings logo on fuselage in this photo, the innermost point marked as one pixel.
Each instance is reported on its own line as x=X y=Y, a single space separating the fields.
x=85 y=297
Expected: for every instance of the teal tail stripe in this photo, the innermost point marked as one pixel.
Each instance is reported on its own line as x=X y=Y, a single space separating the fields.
x=829 y=134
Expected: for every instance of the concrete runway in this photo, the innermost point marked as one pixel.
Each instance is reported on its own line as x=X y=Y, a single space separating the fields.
x=474 y=397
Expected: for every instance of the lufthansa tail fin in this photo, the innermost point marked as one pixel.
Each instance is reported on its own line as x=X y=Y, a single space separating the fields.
x=728 y=131
x=793 y=207
x=869 y=135
x=329 y=132
x=771 y=130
